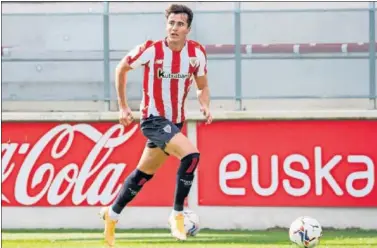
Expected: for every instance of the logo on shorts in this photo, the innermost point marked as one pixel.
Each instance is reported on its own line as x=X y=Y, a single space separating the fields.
x=167 y=128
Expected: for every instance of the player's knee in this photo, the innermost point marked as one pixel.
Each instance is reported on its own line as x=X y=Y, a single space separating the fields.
x=180 y=146
x=139 y=178
x=189 y=164
x=148 y=168
x=194 y=150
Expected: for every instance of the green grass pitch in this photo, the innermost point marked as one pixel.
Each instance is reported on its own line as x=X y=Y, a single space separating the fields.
x=274 y=238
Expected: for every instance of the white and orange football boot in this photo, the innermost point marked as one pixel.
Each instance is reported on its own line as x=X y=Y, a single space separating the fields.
x=177 y=226
x=110 y=224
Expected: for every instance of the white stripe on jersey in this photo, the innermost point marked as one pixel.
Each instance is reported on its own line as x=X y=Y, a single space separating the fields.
x=202 y=62
x=184 y=69
x=166 y=82
x=152 y=106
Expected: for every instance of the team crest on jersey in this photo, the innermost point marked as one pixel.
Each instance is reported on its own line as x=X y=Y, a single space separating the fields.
x=193 y=61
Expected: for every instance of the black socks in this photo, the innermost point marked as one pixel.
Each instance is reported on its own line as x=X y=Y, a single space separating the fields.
x=185 y=177
x=133 y=184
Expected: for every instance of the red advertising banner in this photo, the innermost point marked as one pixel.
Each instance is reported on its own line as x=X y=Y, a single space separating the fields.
x=288 y=163
x=76 y=164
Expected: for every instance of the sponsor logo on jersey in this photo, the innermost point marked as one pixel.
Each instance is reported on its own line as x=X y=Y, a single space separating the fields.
x=163 y=74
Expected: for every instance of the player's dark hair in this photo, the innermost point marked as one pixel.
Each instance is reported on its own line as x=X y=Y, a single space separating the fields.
x=180 y=9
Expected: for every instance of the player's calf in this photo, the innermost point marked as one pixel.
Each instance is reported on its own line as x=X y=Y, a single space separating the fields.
x=133 y=184
x=182 y=148
x=185 y=177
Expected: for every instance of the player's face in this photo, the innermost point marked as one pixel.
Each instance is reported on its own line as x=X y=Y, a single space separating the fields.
x=177 y=27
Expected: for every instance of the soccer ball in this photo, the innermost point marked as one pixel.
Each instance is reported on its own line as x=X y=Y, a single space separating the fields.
x=191 y=222
x=305 y=232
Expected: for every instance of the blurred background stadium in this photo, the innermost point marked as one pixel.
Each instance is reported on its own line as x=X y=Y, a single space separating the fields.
x=60 y=56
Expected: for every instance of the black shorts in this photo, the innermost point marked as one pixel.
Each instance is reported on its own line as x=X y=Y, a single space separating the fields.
x=159 y=130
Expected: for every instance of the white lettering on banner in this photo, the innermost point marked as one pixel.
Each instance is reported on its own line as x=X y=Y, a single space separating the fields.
x=368 y=174
x=322 y=173
x=79 y=174
x=6 y=168
x=296 y=174
x=255 y=178
x=224 y=175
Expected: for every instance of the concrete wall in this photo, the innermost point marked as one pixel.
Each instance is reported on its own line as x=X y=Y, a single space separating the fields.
x=82 y=36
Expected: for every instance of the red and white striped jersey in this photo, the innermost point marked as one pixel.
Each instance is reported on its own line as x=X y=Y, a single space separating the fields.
x=168 y=76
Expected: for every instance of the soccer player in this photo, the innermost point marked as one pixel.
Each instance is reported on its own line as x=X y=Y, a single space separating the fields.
x=170 y=65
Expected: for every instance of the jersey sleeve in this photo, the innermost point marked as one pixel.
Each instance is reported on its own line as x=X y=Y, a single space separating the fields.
x=140 y=55
x=202 y=58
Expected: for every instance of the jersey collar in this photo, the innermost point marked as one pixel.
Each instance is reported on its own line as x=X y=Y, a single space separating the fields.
x=167 y=45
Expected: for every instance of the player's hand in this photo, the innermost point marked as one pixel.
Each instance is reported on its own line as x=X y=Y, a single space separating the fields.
x=125 y=116
x=207 y=114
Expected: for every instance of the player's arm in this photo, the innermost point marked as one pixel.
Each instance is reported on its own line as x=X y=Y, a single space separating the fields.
x=203 y=90
x=135 y=58
x=201 y=80
x=120 y=82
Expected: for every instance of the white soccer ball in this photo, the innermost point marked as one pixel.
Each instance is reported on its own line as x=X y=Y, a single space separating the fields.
x=191 y=222
x=305 y=232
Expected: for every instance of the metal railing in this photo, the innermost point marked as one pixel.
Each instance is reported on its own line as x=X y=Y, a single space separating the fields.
x=236 y=52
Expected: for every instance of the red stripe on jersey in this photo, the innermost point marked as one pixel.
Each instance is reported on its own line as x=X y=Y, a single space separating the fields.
x=176 y=66
x=203 y=51
x=157 y=84
x=191 y=53
x=142 y=49
x=145 y=92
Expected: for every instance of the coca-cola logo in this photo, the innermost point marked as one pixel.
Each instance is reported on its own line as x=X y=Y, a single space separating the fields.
x=47 y=170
